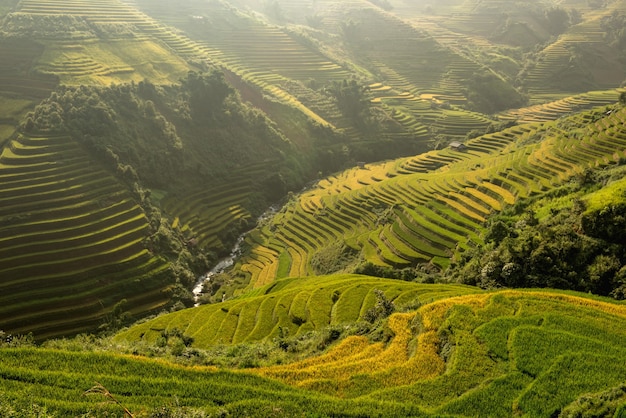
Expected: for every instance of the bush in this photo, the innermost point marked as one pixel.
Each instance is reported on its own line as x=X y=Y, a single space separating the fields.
x=383 y=308
x=607 y=223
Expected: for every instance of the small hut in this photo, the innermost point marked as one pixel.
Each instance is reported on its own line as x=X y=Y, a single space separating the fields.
x=457 y=146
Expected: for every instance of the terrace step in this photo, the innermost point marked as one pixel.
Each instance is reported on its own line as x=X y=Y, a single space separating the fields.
x=66 y=232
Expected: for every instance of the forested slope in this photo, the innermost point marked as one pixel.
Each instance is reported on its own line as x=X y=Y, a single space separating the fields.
x=160 y=147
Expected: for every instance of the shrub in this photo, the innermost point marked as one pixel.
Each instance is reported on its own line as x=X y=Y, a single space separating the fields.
x=383 y=308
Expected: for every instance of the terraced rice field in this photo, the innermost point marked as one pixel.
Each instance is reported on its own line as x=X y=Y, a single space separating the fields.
x=291 y=307
x=268 y=51
x=407 y=54
x=422 y=209
x=267 y=57
x=208 y=213
x=57 y=381
x=276 y=61
x=151 y=52
x=554 y=109
x=471 y=31
x=461 y=353
x=525 y=344
x=71 y=242
x=556 y=69
x=421 y=115
x=15 y=78
x=281 y=64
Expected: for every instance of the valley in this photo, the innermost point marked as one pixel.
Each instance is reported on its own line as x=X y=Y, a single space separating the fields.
x=446 y=193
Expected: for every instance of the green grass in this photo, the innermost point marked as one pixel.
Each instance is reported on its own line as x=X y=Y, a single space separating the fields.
x=499 y=354
x=569 y=376
x=284 y=265
x=535 y=350
x=612 y=194
x=59 y=380
x=348 y=306
x=317 y=302
x=551 y=358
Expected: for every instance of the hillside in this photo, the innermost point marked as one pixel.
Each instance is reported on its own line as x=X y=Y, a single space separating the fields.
x=421 y=207
x=290 y=307
x=68 y=253
x=423 y=210
x=541 y=49
x=80 y=173
x=497 y=354
x=197 y=161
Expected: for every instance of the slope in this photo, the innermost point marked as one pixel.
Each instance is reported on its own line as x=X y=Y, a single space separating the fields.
x=105 y=200
x=497 y=354
x=72 y=242
x=289 y=307
x=94 y=43
x=546 y=49
x=295 y=76
x=492 y=354
x=419 y=210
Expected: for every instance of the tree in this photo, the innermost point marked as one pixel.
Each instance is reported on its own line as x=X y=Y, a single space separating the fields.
x=350 y=31
x=273 y=10
x=351 y=99
x=607 y=223
x=497 y=232
x=383 y=308
x=207 y=92
x=602 y=274
x=558 y=20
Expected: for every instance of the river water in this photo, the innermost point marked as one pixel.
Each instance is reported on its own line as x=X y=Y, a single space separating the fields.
x=227 y=262
x=222 y=265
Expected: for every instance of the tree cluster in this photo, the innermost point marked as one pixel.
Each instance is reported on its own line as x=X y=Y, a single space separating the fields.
x=487 y=93
x=177 y=140
x=571 y=248
x=173 y=137
x=351 y=99
x=558 y=19
x=614 y=27
x=52 y=26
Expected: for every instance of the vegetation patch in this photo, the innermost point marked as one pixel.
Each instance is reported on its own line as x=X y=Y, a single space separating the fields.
x=287 y=308
x=496 y=353
x=141 y=141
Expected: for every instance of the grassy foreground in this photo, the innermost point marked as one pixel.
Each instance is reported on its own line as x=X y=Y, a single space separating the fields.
x=498 y=354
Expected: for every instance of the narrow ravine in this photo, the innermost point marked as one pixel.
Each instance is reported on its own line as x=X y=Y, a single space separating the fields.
x=227 y=262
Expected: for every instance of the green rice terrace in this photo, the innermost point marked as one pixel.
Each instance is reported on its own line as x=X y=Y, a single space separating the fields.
x=422 y=209
x=286 y=307
x=312 y=208
x=71 y=240
x=486 y=354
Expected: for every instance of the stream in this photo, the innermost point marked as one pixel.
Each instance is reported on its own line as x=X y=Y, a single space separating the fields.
x=227 y=262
